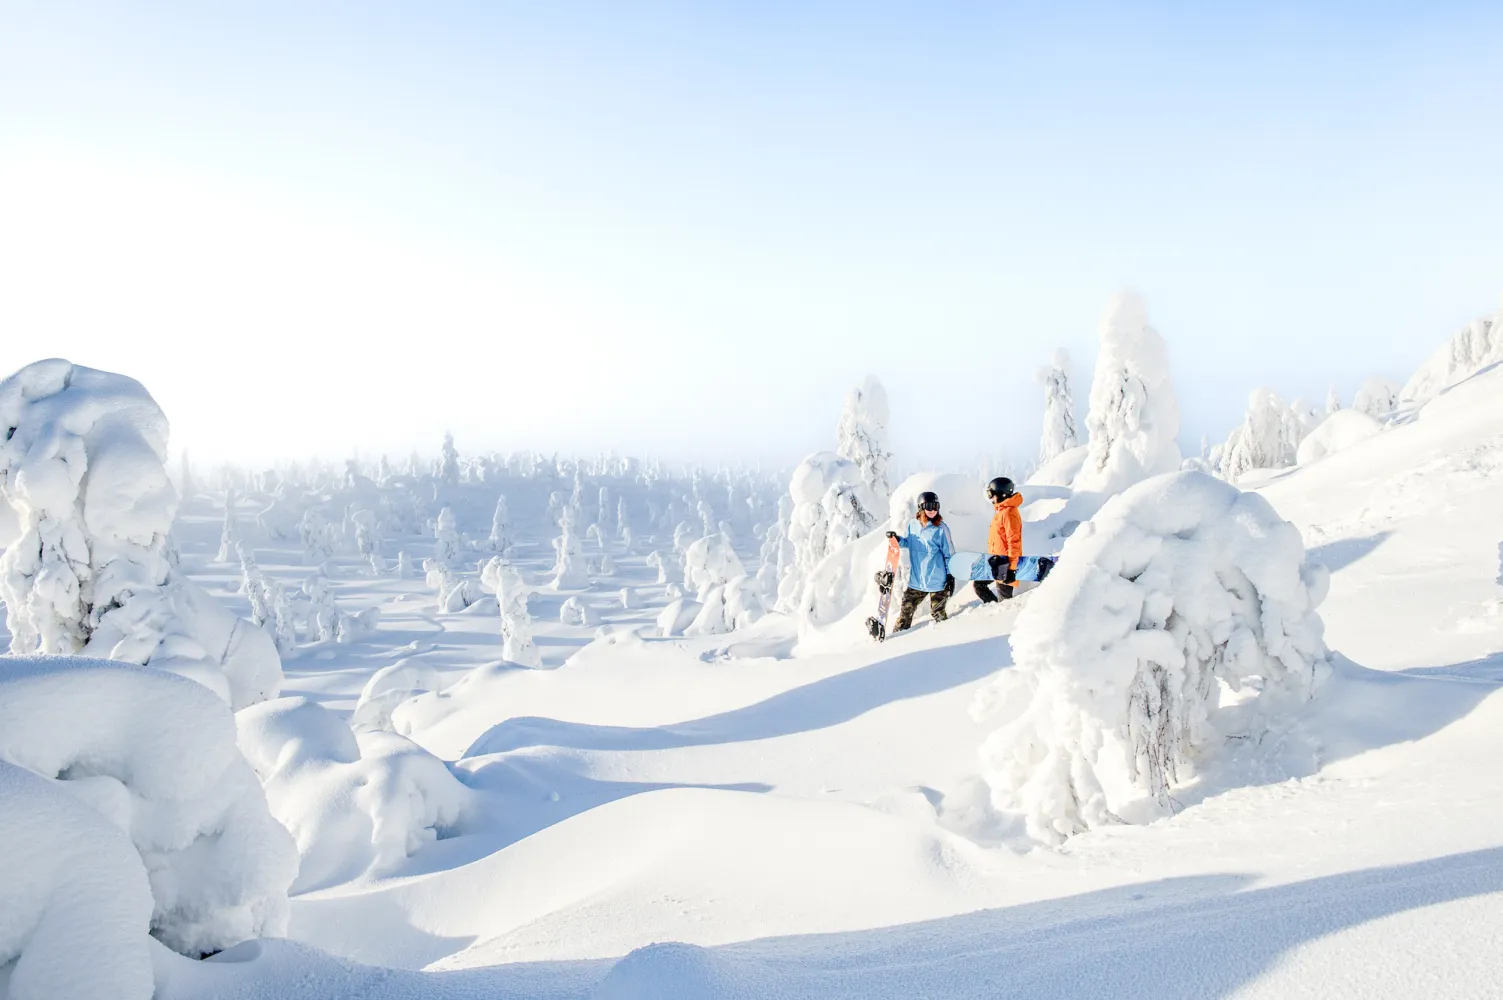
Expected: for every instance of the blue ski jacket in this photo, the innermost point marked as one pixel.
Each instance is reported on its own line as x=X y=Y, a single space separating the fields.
x=929 y=551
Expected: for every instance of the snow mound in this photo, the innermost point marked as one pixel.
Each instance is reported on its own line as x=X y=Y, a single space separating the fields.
x=671 y=969
x=356 y=804
x=677 y=615
x=155 y=754
x=1178 y=587
x=75 y=905
x=1341 y=429
x=82 y=469
x=388 y=688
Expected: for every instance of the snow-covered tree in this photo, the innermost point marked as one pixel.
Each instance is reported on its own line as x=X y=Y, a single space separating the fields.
x=776 y=553
x=322 y=614
x=82 y=467
x=516 y=622
x=1377 y=398
x=828 y=492
x=569 y=571
x=446 y=469
x=861 y=437
x=1268 y=437
x=317 y=537
x=656 y=561
x=1179 y=586
x=1333 y=399
x=446 y=544
x=1059 y=434
x=711 y=562
x=500 y=537
x=1134 y=417
x=623 y=521
x=229 y=535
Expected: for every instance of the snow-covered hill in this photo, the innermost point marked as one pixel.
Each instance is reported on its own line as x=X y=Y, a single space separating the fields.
x=816 y=826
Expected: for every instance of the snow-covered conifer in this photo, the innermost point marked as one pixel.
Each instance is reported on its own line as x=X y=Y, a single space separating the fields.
x=446 y=544
x=1266 y=439
x=446 y=469
x=656 y=561
x=500 y=537
x=1177 y=588
x=569 y=571
x=861 y=437
x=82 y=467
x=1333 y=399
x=1059 y=434
x=516 y=622
x=229 y=535
x=1134 y=417
x=711 y=562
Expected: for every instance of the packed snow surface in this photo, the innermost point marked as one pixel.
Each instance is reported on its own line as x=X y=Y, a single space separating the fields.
x=790 y=810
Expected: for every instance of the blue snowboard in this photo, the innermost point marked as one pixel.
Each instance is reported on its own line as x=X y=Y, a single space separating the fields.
x=973 y=566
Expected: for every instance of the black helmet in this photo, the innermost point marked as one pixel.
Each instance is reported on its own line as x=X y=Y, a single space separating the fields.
x=928 y=501
x=1000 y=488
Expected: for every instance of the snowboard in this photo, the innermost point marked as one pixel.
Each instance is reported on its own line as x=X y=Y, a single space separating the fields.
x=974 y=566
x=877 y=625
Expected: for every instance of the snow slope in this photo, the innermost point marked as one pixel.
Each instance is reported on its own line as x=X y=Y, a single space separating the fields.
x=725 y=817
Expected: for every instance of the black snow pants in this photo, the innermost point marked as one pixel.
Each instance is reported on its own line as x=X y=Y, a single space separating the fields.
x=913 y=598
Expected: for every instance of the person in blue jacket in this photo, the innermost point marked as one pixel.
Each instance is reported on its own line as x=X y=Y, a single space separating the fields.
x=929 y=550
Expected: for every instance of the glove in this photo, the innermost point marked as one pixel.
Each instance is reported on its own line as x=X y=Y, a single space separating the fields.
x=1011 y=576
x=892 y=534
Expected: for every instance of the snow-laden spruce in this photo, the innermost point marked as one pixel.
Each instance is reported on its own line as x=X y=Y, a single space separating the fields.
x=1268 y=438
x=861 y=437
x=569 y=570
x=446 y=468
x=516 y=622
x=500 y=537
x=1178 y=588
x=1133 y=420
x=1059 y=434
x=82 y=468
x=155 y=754
x=831 y=507
x=355 y=804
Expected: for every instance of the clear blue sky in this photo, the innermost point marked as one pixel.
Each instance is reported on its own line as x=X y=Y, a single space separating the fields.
x=684 y=229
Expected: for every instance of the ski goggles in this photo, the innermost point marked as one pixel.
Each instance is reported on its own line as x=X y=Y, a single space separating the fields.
x=929 y=505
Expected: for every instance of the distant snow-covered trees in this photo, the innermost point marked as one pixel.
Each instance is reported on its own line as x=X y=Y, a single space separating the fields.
x=1474 y=347
x=1059 y=434
x=1179 y=586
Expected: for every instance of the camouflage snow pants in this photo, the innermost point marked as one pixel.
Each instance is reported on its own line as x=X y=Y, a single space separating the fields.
x=913 y=598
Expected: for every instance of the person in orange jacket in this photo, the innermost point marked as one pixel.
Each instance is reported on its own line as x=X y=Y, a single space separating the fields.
x=1004 y=543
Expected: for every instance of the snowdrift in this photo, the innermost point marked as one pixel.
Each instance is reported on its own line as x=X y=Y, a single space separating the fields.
x=154 y=754
x=356 y=804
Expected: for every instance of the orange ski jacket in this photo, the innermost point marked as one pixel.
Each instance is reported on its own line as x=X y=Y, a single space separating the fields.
x=1006 y=536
